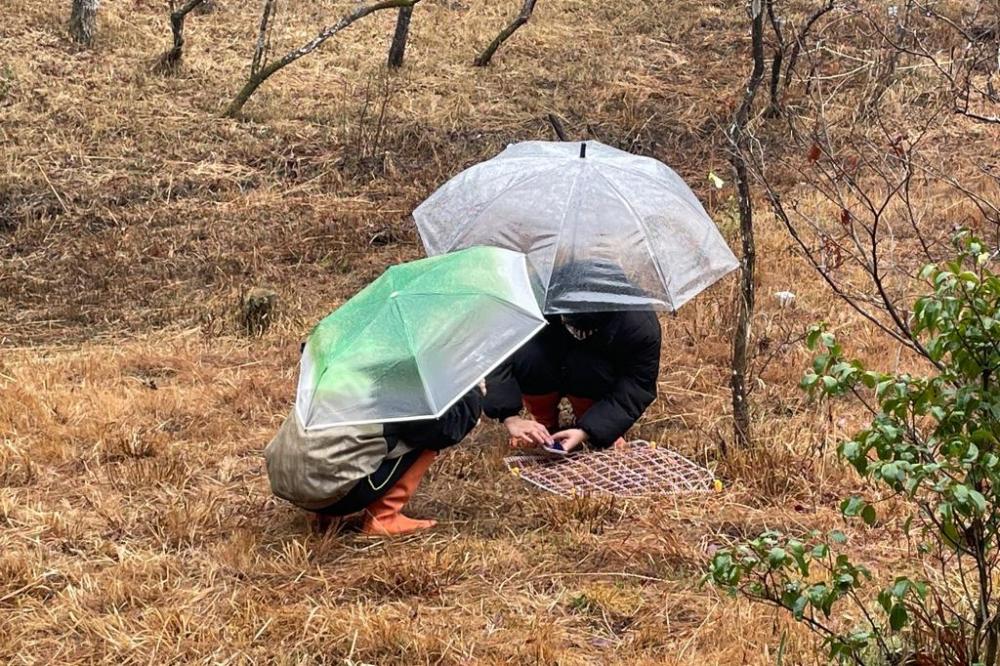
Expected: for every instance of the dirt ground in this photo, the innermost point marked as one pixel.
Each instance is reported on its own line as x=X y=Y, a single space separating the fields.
x=136 y=523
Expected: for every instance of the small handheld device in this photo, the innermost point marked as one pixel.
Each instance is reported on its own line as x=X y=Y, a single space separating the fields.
x=555 y=448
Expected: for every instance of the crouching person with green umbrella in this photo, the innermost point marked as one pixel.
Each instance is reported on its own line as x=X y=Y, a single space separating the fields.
x=372 y=468
x=392 y=377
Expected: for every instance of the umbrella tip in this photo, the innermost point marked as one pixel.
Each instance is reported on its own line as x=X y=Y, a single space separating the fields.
x=583 y=149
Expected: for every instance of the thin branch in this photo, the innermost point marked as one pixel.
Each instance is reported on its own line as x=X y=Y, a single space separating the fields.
x=800 y=38
x=270 y=68
x=263 y=36
x=484 y=58
x=557 y=127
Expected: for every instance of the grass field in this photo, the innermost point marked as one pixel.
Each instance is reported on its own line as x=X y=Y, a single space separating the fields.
x=136 y=523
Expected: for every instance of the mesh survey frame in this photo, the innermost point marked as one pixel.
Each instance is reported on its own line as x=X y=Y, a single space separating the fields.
x=643 y=469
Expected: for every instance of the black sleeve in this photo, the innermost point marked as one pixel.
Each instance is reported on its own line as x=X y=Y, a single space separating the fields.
x=617 y=411
x=503 y=395
x=448 y=430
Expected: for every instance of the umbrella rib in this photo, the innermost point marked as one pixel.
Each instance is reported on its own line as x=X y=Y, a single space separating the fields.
x=517 y=183
x=645 y=176
x=413 y=353
x=479 y=294
x=559 y=232
x=645 y=238
x=328 y=360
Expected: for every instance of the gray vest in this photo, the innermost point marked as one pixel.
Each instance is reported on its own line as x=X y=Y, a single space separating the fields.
x=315 y=468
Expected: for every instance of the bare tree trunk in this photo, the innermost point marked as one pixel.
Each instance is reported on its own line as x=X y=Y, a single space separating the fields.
x=172 y=58
x=267 y=69
x=83 y=21
x=737 y=136
x=398 y=47
x=484 y=58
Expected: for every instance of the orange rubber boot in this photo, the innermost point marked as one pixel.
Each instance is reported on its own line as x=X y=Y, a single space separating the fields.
x=384 y=516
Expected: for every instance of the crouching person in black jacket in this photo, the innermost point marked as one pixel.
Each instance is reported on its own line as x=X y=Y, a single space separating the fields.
x=606 y=364
x=374 y=468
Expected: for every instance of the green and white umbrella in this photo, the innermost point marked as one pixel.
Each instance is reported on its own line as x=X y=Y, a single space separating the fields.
x=417 y=339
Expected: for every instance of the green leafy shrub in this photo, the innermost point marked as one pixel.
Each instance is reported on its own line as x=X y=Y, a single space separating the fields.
x=932 y=441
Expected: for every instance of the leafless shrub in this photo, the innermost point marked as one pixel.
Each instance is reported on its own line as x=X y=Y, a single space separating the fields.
x=869 y=151
x=369 y=135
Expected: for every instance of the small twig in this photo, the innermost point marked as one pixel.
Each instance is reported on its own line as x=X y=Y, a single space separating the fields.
x=484 y=58
x=557 y=127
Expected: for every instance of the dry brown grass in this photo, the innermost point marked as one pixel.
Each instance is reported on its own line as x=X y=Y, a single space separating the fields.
x=136 y=524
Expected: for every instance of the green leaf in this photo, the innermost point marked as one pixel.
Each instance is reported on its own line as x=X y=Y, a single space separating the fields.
x=798 y=607
x=898 y=617
x=820 y=363
x=978 y=501
x=844 y=580
x=852 y=506
x=838 y=537
x=813 y=336
x=868 y=515
x=971 y=453
x=850 y=450
x=776 y=557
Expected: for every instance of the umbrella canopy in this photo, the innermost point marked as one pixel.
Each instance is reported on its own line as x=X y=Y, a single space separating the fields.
x=416 y=339
x=603 y=229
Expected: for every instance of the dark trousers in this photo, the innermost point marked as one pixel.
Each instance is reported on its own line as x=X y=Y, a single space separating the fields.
x=545 y=365
x=373 y=486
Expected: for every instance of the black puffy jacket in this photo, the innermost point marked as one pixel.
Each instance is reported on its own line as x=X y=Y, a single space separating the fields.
x=617 y=367
x=436 y=434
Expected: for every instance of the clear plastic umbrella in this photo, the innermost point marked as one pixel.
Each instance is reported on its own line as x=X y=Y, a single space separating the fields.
x=603 y=229
x=417 y=339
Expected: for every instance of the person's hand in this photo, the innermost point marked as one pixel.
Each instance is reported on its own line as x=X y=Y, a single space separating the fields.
x=570 y=439
x=527 y=430
x=482 y=387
